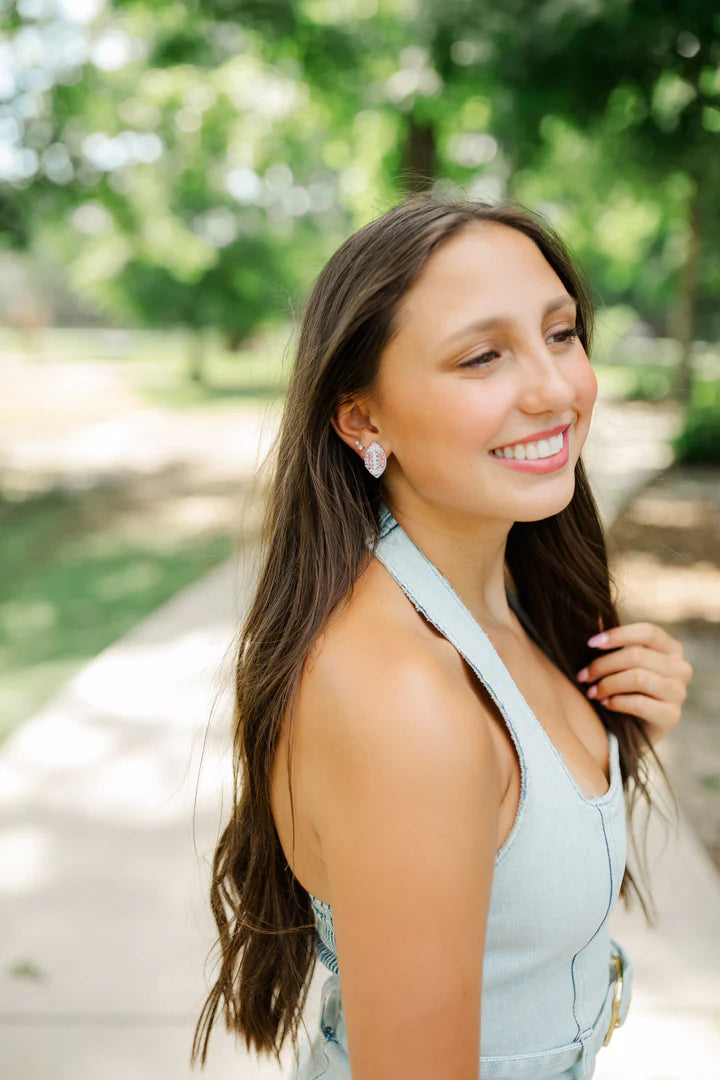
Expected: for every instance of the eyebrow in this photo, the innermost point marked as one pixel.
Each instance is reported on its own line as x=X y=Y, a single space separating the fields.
x=498 y=320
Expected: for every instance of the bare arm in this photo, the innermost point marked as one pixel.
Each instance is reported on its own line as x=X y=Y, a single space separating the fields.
x=406 y=801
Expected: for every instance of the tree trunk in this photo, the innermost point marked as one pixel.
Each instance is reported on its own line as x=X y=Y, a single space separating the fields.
x=685 y=325
x=195 y=355
x=419 y=156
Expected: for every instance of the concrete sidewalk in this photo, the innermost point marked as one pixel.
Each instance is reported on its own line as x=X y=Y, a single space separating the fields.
x=104 y=872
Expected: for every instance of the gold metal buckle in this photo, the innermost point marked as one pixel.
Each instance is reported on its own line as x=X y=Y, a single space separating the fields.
x=614 y=1016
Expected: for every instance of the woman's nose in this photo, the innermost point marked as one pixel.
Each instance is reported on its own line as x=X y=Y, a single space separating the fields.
x=544 y=383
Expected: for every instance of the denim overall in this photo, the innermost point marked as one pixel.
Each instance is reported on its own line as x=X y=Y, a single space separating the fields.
x=548 y=979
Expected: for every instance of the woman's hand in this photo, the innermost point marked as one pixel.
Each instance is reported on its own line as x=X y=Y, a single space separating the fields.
x=646 y=675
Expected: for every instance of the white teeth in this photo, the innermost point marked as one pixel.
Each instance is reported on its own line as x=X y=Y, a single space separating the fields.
x=532 y=451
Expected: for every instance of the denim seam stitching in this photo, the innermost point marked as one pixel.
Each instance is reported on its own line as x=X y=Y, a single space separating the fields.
x=583 y=1031
x=574 y=985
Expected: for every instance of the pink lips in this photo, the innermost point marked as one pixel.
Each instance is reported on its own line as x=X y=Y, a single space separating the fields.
x=541 y=465
x=546 y=434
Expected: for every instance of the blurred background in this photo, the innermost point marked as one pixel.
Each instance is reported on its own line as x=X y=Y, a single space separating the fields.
x=173 y=176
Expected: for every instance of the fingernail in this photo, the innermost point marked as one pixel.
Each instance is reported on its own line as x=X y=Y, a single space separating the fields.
x=582 y=675
x=598 y=639
x=592 y=692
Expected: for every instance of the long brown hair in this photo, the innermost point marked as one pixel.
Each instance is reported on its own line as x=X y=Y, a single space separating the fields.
x=322 y=509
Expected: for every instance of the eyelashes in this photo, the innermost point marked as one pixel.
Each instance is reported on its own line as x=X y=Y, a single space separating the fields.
x=566 y=336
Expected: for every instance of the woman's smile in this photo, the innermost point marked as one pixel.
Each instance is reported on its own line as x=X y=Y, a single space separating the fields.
x=543 y=456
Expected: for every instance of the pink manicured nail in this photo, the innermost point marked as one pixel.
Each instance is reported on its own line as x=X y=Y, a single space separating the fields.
x=582 y=675
x=598 y=639
x=592 y=692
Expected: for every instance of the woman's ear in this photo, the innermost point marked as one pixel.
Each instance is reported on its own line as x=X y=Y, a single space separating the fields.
x=352 y=422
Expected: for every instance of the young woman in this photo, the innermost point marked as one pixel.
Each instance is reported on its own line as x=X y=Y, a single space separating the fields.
x=433 y=744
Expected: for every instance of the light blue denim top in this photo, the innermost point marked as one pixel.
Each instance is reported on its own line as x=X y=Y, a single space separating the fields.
x=547 y=976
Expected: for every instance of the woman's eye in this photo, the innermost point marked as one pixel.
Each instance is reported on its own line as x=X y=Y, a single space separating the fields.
x=567 y=335
x=482 y=360
x=563 y=337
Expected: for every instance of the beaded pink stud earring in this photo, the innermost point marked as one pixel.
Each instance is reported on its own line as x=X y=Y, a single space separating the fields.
x=374 y=458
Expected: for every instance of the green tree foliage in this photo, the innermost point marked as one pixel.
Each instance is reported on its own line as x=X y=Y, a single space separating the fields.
x=168 y=166
x=195 y=153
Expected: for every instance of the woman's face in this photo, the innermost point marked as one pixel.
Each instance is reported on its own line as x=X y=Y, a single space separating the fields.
x=483 y=358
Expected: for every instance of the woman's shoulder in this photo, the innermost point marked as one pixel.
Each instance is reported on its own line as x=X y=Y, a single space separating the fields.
x=376 y=654
x=373 y=634
x=380 y=699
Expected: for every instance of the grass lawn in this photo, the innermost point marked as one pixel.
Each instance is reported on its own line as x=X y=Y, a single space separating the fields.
x=154 y=364
x=73 y=579
x=80 y=569
x=255 y=374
